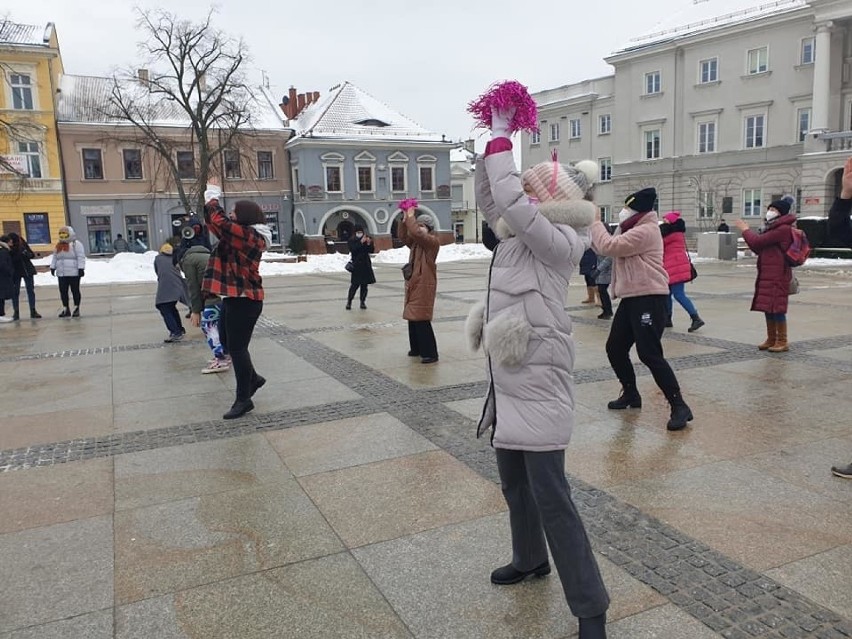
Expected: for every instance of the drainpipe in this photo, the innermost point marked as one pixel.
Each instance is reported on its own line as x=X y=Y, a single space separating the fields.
x=65 y=201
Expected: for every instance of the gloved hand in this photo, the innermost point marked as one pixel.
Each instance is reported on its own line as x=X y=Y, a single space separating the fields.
x=53 y=272
x=80 y=272
x=213 y=192
x=500 y=122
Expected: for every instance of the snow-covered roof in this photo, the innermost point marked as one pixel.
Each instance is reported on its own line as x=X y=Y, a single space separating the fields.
x=86 y=99
x=24 y=34
x=347 y=112
x=698 y=16
x=461 y=155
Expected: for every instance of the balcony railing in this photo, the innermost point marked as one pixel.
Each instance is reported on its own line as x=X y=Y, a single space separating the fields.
x=840 y=141
x=9 y=184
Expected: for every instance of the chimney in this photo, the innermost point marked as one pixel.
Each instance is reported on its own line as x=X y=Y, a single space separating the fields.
x=469 y=145
x=301 y=103
x=142 y=75
x=291 y=105
x=316 y=96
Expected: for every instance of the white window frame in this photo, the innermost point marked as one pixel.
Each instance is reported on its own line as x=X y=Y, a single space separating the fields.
x=554 y=132
x=711 y=142
x=31 y=73
x=756 y=70
x=605 y=130
x=38 y=153
x=194 y=168
x=427 y=162
x=751 y=208
x=657 y=85
x=802 y=134
x=271 y=163
x=100 y=151
x=606 y=212
x=746 y=140
x=575 y=126
x=645 y=132
x=398 y=160
x=705 y=209
x=535 y=137
x=365 y=160
x=124 y=164
x=605 y=172
x=809 y=40
x=708 y=61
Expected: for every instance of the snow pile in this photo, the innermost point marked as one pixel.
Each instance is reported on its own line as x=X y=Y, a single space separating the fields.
x=123 y=268
x=448 y=253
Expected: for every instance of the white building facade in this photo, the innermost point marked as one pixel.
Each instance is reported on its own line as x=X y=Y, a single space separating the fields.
x=720 y=116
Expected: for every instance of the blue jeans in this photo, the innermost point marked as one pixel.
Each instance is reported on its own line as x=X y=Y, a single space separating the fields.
x=678 y=291
x=778 y=317
x=171 y=317
x=16 y=291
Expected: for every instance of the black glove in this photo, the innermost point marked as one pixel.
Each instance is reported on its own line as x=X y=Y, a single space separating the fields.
x=53 y=272
x=80 y=272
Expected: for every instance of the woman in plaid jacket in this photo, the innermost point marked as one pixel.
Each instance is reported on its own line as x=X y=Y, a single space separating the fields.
x=233 y=274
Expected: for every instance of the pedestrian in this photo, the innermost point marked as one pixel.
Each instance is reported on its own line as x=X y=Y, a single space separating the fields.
x=170 y=291
x=205 y=309
x=542 y=218
x=603 y=276
x=7 y=271
x=360 y=248
x=418 y=233
x=587 y=266
x=641 y=281
x=68 y=264
x=679 y=267
x=774 y=273
x=840 y=230
x=23 y=269
x=120 y=245
x=723 y=227
x=233 y=273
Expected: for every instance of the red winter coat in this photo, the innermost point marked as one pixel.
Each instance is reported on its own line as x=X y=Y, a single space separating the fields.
x=675 y=258
x=772 y=287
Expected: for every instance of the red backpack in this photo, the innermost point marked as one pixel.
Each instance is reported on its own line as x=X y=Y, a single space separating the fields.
x=799 y=248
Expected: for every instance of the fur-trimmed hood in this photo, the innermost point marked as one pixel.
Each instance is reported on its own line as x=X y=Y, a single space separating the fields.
x=575 y=213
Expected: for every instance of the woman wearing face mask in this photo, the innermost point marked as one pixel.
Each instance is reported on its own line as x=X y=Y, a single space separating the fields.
x=360 y=248
x=772 y=288
x=68 y=264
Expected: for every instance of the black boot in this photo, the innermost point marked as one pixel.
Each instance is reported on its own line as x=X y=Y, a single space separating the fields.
x=681 y=414
x=34 y=314
x=348 y=305
x=629 y=398
x=669 y=321
x=593 y=627
x=66 y=312
x=239 y=409
x=697 y=323
x=76 y=312
x=257 y=384
x=507 y=575
x=16 y=316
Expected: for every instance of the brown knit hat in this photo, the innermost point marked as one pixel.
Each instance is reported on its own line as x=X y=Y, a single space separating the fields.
x=555 y=181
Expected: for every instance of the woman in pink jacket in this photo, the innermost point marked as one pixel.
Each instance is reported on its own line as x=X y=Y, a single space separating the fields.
x=678 y=266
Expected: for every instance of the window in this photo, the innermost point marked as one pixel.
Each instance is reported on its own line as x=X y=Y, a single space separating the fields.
x=427 y=178
x=575 y=128
x=709 y=71
x=186 y=165
x=751 y=202
x=132 y=164
x=653 y=83
x=705 y=205
x=22 y=91
x=754 y=131
x=365 y=179
x=233 y=171
x=803 y=123
x=606 y=169
x=457 y=195
x=32 y=156
x=652 y=144
x=274 y=225
x=333 y=179
x=604 y=124
x=707 y=137
x=808 y=50
x=93 y=166
x=265 y=168
x=554 y=132
x=100 y=233
x=758 y=60
x=605 y=212
x=535 y=137
x=398 y=179
x=296 y=182
x=37 y=227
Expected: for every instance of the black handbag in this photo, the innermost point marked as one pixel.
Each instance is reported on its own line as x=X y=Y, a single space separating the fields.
x=692 y=272
x=349 y=266
x=407 y=271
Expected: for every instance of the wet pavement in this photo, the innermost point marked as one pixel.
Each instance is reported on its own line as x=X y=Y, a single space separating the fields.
x=356 y=502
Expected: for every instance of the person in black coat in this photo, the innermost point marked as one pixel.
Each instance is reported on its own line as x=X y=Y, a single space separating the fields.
x=360 y=248
x=23 y=269
x=6 y=270
x=588 y=264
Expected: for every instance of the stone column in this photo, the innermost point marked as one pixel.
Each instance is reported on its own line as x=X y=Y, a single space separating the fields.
x=822 y=77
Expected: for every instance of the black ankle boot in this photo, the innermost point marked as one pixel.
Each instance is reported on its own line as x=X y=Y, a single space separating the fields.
x=34 y=314
x=257 y=384
x=239 y=409
x=507 y=575
x=629 y=398
x=66 y=312
x=593 y=627
x=697 y=323
x=681 y=413
x=669 y=322
x=76 y=312
x=363 y=305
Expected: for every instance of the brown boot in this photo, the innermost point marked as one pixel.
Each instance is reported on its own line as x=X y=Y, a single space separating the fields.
x=590 y=295
x=780 y=345
x=770 y=334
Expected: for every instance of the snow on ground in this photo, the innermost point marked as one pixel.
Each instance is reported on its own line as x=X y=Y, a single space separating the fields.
x=139 y=267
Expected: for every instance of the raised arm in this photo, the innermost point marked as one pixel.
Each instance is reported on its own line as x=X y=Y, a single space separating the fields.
x=633 y=242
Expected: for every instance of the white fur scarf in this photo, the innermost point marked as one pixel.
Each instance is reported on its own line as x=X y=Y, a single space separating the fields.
x=575 y=213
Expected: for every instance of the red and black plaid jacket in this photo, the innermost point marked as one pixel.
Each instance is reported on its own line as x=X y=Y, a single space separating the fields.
x=233 y=269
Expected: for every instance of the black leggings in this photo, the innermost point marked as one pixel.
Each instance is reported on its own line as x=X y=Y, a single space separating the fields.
x=353 y=288
x=74 y=283
x=236 y=325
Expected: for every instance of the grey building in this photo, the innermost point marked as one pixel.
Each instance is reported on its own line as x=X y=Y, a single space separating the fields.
x=721 y=112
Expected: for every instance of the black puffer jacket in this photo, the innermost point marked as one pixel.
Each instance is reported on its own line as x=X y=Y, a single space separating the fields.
x=6 y=272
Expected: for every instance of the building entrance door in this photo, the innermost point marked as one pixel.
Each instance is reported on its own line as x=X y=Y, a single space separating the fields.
x=137 y=233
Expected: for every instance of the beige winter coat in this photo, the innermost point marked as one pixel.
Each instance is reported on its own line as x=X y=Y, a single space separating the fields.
x=421 y=289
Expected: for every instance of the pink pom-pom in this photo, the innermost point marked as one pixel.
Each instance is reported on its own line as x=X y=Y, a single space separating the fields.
x=503 y=96
x=408 y=203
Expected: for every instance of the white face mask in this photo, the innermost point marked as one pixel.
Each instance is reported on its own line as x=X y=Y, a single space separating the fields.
x=771 y=215
x=359 y=235
x=624 y=214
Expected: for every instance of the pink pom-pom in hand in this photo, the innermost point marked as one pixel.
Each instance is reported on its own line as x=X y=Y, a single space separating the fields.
x=504 y=96
x=408 y=203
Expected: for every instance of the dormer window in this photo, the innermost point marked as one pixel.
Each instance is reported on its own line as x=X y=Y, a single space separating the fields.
x=372 y=123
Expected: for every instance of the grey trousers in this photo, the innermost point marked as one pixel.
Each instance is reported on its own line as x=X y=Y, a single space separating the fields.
x=540 y=507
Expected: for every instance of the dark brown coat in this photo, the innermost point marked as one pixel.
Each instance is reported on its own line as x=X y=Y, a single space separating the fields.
x=772 y=288
x=420 y=290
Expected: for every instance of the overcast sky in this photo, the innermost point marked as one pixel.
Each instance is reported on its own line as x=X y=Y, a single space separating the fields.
x=426 y=59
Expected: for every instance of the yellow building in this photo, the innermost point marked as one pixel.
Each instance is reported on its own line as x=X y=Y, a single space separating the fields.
x=32 y=202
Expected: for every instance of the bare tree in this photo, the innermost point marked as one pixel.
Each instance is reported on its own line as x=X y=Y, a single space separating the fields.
x=710 y=192
x=194 y=81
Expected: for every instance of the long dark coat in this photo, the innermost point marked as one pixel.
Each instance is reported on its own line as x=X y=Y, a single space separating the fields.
x=772 y=288
x=362 y=271
x=421 y=289
x=6 y=272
